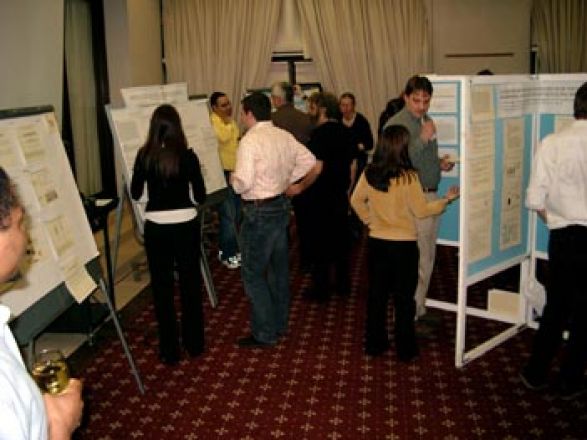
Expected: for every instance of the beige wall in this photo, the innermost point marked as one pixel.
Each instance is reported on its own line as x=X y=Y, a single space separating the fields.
x=467 y=28
x=31 y=51
x=133 y=44
x=145 y=42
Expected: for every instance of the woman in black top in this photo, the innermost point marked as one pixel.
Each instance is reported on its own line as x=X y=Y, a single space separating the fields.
x=172 y=230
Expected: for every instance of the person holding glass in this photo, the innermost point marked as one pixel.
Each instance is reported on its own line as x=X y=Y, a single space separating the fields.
x=24 y=412
x=175 y=186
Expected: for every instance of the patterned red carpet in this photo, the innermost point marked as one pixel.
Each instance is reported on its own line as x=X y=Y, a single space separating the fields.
x=317 y=384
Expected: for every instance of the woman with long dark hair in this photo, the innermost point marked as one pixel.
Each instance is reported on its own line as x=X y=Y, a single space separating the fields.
x=172 y=231
x=388 y=198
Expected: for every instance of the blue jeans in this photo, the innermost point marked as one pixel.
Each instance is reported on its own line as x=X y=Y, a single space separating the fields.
x=229 y=216
x=265 y=267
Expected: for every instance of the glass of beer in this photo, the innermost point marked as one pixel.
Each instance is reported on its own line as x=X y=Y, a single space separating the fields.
x=50 y=371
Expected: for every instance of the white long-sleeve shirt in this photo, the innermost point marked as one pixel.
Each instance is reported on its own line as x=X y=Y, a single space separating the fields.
x=268 y=160
x=22 y=412
x=558 y=183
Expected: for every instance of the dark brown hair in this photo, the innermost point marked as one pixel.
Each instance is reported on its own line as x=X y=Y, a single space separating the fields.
x=8 y=200
x=165 y=142
x=391 y=159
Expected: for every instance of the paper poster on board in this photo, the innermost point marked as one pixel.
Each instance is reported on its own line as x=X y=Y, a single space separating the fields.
x=33 y=155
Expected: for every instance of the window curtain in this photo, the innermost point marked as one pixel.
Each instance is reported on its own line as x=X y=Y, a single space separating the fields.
x=220 y=45
x=367 y=47
x=559 y=28
x=79 y=65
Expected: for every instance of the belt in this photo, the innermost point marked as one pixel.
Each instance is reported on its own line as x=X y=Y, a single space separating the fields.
x=429 y=190
x=258 y=202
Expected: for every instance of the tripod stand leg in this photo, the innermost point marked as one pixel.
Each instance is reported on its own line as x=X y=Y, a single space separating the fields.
x=114 y=317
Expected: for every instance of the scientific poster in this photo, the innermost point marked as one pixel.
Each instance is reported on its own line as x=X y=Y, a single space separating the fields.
x=130 y=127
x=148 y=96
x=32 y=153
x=445 y=98
x=479 y=226
x=482 y=108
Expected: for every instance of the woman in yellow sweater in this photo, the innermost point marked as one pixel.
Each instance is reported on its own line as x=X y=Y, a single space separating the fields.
x=388 y=198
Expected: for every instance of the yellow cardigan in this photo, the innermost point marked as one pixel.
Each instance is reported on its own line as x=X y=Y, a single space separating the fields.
x=392 y=215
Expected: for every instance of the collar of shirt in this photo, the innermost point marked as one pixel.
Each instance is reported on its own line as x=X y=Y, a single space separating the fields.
x=4 y=314
x=349 y=122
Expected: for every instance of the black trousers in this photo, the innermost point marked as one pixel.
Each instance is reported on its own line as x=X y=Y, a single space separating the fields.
x=566 y=305
x=393 y=270
x=166 y=245
x=330 y=245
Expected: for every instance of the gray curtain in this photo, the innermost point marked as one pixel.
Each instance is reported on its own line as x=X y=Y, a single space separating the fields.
x=368 y=47
x=223 y=45
x=559 y=29
x=79 y=64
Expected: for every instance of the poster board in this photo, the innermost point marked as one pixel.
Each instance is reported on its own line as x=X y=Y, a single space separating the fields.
x=446 y=110
x=554 y=113
x=498 y=162
x=61 y=243
x=130 y=125
x=505 y=117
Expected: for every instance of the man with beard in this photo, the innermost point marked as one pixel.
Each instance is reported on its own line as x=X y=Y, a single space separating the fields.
x=423 y=151
x=328 y=185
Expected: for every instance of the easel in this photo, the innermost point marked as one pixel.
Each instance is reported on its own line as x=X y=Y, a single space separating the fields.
x=54 y=299
x=215 y=180
x=28 y=326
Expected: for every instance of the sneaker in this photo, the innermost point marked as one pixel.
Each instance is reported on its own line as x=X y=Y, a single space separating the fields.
x=239 y=257
x=231 y=263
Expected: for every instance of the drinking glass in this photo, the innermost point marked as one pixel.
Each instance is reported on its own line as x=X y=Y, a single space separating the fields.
x=50 y=371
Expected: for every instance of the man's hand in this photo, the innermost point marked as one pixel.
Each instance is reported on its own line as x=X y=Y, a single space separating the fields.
x=64 y=410
x=428 y=131
x=293 y=190
x=446 y=164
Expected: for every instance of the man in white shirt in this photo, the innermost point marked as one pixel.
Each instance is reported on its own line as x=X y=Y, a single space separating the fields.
x=558 y=191
x=24 y=413
x=268 y=161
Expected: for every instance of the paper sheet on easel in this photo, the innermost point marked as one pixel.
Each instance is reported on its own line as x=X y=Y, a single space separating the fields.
x=504 y=303
x=78 y=281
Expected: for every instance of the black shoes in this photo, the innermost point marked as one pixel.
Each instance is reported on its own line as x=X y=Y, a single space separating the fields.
x=570 y=392
x=195 y=352
x=375 y=350
x=251 y=342
x=532 y=383
x=408 y=356
x=170 y=360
